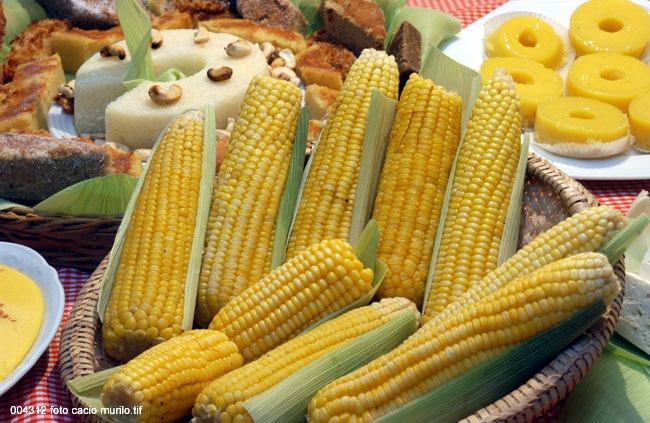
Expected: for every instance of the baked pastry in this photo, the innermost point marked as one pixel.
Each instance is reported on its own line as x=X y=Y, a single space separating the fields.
x=527 y=37
x=319 y=100
x=33 y=167
x=610 y=77
x=34 y=42
x=357 y=24
x=535 y=83
x=136 y=117
x=324 y=64
x=574 y=127
x=203 y=9
x=277 y=13
x=88 y=14
x=26 y=100
x=258 y=33
x=76 y=45
x=615 y=26
x=407 y=49
x=639 y=114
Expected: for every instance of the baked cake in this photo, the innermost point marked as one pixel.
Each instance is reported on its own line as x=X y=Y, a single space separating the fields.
x=258 y=33
x=324 y=64
x=357 y=24
x=277 y=13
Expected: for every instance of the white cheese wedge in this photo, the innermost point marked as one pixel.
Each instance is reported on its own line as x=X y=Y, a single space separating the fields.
x=102 y=104
x=634 y=323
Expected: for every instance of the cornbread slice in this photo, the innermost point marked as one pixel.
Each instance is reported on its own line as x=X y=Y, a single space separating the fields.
x=319 y=100
x=76 y=45
x=258 y=33
x=357 y=24
x=324 y=64
x=276 y=13
x=33 y=167
x=31 y=44
x=27 y=99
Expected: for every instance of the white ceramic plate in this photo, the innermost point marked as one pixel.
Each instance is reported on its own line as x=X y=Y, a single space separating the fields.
x=467 y=49
x=33 y=265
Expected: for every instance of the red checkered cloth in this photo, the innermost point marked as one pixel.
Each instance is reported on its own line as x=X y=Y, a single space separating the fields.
x=41 y=386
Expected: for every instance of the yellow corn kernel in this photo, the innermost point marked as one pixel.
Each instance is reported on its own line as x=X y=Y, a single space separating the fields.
x=223 y=400
x=480 y=196
x=146 y=302
x=247 y=194
x=325 y=209
x=165 y=379
x=585 y=231
x=421 y=150
x=318 y=281
x=436 y=354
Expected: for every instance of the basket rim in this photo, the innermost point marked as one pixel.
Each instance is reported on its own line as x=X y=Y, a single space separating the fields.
x=550 y=385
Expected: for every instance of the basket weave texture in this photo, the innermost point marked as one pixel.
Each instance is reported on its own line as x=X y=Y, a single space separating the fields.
x=549 y=197
x=80 y=243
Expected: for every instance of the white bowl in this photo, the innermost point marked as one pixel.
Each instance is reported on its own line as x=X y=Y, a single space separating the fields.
x=34 y=265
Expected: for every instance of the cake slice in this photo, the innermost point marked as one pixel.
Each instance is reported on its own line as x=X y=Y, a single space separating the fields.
x=357 y=24
x=407 y=49
x=89 y=14
x=33 y=167
x=324 y=64
x=27 y=99
x=258 y=33
x=277 y=13
x=319 y=100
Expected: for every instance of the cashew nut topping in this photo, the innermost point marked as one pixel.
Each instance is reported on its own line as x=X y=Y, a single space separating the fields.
x=267 y=49
x=288 y=57
x=159 y=95
x=66 y=90
x=219 y=74
x=202 y=35
x=285 y=74
x=113 y=51
x=156 y=39
x=239 y=48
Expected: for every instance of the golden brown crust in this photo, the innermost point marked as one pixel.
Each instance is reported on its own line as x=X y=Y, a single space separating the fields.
x=26 y=99
x=319 y=100
x=35 y=42
x=325 y=64
x=357 y=24
x=258 y=33
x=203 y=9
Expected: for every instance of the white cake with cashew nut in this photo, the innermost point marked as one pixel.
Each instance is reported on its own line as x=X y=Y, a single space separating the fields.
x=218 y=69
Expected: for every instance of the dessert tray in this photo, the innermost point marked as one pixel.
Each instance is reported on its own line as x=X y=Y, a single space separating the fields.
x=467 y=48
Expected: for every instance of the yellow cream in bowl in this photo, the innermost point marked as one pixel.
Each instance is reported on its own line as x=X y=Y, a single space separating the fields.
x=21 y=315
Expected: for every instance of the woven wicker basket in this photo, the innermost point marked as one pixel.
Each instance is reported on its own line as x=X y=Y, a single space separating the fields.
x=75 y=242
x=550 y=196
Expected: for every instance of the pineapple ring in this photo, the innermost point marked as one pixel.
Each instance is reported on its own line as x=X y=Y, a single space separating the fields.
x=610 y=77
x=639 y=114
x=581 y=127
x=616 y=26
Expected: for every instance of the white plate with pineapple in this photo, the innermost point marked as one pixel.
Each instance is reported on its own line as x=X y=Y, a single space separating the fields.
x=467 y=49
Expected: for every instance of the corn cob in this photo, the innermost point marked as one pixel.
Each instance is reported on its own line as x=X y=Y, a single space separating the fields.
x=166 y=379
x=421 y=150
x=320 y=280
x=247 y=194
x=327 y=201
x=480 y=196
x=436 y=354
x=585 y=231
x=223 y=400
x=147 y=299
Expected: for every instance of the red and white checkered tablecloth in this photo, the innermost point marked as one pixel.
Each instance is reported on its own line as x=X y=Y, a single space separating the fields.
x=42 y=387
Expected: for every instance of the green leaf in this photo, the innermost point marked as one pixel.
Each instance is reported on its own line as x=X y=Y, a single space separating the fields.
x=510 y=236
x=490 y=381
x=434 y=26
x=208 y=169
x=381 y=113
x=366 y=245
x=101 y=196
x=637 y=250
x=19 y=14
x=287 y=401
x=309 y=8
x=88 y=389
x=136 y=26
x=615 y=389
x=170 y=75
x=616 y=246
x=291 y=190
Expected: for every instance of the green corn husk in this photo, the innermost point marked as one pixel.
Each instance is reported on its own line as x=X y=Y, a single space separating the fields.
x=136 y=26
x=88 y=389
x=205 y=196
x=496 y=378
x=614 y=390
x=19 y=14
x=434 y=26
x=290 y=194
x=309 y=8
x=391 y=9
x=287 y=401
